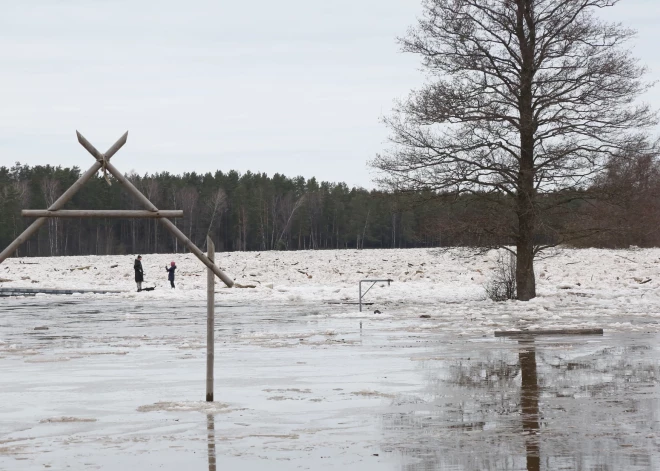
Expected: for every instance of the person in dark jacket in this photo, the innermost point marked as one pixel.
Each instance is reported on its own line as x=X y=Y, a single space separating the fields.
x=170 y=273
x=139 y=274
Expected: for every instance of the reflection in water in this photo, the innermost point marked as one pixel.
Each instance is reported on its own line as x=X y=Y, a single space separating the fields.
x=532 y=405
x=529 y=403
x=210 y=427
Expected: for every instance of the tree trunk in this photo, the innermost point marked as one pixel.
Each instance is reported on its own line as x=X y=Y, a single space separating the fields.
x=133 y=249
x=526 y=284
x=525 y=280
x=393 y=230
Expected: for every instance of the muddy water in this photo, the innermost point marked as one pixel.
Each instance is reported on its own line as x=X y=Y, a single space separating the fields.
x=118 y=385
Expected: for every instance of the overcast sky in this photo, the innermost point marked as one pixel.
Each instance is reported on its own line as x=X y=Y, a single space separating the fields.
x=290 y=86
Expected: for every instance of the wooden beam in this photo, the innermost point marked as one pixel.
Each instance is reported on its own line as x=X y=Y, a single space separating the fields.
x=66 y=196
x=527 y=333
x=84 y=213
x=109 y=153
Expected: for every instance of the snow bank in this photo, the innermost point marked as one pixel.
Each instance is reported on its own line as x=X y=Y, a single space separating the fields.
x=615 y=289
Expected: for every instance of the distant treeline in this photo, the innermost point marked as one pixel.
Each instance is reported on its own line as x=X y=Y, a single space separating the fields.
x=257 y=212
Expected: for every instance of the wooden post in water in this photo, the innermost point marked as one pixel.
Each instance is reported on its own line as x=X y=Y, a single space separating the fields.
x=210 y=320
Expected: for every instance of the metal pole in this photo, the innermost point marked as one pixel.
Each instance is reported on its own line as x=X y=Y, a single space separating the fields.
x=210 y=321
x=66 y=196
x=373 y=283
x=169 y=225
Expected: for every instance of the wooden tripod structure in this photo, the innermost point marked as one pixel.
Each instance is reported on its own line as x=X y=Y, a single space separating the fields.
x=103 y=163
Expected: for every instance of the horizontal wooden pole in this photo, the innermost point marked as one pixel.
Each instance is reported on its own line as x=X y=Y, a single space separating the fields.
x=525 y=333
x=85 y=213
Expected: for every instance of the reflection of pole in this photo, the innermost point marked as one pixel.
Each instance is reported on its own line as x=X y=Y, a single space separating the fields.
x=210 y=321
x=210 y=426
x=529 y=403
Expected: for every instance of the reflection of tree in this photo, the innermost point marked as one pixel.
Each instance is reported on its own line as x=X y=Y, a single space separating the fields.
x=210 y=426
x=603 y=372
x=529 y=403
x=539 y=406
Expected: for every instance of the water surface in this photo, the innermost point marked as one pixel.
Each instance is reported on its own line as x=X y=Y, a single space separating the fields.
x=113 y=384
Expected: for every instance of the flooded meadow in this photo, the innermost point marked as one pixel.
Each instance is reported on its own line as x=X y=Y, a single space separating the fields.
x=110 y=384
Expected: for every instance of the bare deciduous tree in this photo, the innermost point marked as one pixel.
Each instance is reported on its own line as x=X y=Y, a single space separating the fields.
x=152 y=191
x=216 y=205
x=525 y=97
x=22 y=192
x=16 y=192
x=286 y=211
x=627 y=210
x=188 y=197
x=50 y=188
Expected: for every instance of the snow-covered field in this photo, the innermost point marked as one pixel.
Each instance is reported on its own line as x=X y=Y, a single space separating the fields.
x=589 y=287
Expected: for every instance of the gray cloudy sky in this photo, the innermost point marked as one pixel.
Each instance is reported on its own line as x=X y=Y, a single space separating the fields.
x=289 y=86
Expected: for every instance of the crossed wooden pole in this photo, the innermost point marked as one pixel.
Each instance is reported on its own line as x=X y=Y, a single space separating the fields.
x=103 y=163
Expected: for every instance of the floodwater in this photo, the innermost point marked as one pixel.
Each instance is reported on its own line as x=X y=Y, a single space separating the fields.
x=115 y=384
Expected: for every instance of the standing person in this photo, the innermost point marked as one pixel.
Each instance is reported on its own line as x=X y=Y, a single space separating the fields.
x=170 y=273
x=139 y=274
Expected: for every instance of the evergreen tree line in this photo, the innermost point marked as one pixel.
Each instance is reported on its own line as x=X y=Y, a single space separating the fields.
x=255 y=212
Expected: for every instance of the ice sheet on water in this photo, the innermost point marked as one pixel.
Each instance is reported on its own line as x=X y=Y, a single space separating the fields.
x=59 y=420
x=575 y=284
x=372 y=392
x=189 y=406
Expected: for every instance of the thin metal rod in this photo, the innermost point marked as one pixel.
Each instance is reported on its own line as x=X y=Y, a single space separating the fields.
x=169 y=225
x=85 y=213
x=372 y=285
x=210 y=321
x=360 y=295
x=65 y=198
